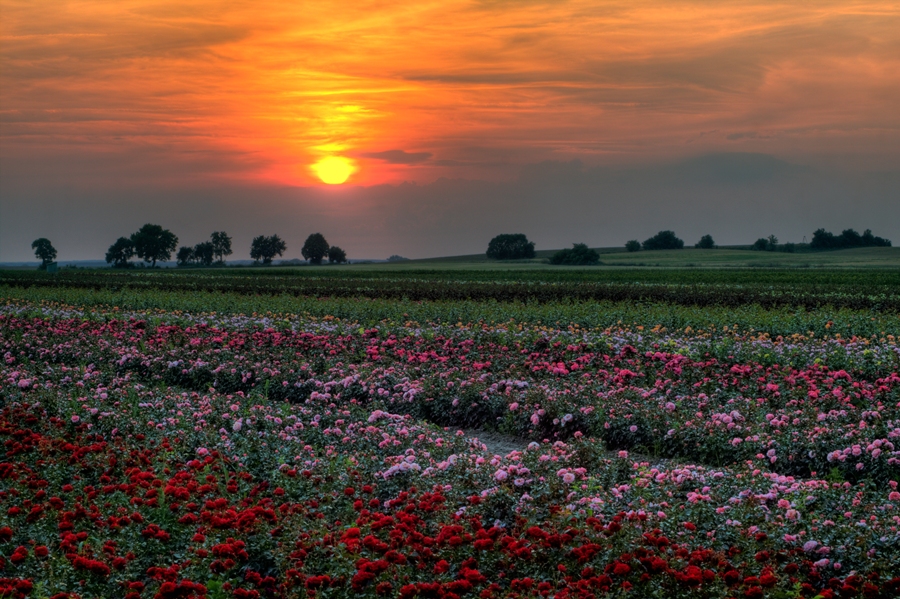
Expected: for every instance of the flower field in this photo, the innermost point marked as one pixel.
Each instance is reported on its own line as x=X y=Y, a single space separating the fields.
x=163 y=453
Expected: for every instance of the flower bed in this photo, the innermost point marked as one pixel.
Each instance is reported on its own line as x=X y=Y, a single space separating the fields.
x=189 y=455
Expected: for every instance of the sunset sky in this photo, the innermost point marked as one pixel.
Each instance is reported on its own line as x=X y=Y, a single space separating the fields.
x=580 y=121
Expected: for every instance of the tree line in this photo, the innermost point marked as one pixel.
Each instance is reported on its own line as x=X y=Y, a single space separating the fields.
x=517 y=246
x=152 y=243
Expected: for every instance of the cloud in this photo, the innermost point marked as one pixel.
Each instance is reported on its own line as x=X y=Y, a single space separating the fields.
x=397 y=156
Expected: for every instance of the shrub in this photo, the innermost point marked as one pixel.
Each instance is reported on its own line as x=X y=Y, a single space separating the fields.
x=633 y=246
x=578 y=255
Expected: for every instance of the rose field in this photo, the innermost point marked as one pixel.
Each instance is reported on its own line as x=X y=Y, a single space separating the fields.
x=170 y=443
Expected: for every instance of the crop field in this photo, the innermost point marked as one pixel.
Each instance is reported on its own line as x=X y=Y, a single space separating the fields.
x=334 y=433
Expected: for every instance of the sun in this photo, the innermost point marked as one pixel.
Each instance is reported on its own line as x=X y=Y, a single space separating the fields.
x=334 y=170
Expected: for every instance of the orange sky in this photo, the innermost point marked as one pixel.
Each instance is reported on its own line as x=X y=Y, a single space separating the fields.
x=259 y=90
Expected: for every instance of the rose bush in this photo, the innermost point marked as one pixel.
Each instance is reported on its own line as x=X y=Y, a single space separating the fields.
x=181 y=455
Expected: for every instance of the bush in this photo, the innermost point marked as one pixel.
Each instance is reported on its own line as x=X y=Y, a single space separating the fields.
x=578 y=255
x=633 y=246
x=664 y=240
x=706 y=243
x=510 y=247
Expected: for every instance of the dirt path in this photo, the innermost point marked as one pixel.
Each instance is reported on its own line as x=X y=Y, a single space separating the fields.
x=497 y=443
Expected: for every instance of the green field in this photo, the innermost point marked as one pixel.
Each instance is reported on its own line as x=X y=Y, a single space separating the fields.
x=875 y=257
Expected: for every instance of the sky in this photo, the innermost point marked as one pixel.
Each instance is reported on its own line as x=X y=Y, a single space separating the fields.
x=452 y=121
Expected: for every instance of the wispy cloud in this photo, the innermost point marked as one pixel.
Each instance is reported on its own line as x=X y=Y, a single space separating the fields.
x=397 y=156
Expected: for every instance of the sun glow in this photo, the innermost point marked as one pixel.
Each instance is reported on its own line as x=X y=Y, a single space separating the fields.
x=334 y=170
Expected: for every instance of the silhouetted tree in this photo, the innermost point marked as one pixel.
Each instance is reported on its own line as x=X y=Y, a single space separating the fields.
x=397 y=258
x=706 y=243
x=315 y=248
x=510 y=246
x=120 y=253
x=664 y=240
x=823 y=240
x=221 y=245
x=633 y=246
x=336 y=255
x=579 y=255
x=184 y=256
x=266 y=248
x=44 y=250
x=204 y=252
x=760 y=245
x=152 y=243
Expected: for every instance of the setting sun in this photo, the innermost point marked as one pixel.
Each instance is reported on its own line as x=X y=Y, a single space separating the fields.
x=333 y=170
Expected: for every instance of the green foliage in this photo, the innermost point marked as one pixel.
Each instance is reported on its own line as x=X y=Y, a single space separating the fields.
x=261 y=294
x=664 y=240
x=706 y=243
x=120 y=252
x=336 y=255
x=315 y=248
x=510 y=246
x=633 y=246
x=44 y=250
x=153 y=243
x=579 y=255
x=265 y=248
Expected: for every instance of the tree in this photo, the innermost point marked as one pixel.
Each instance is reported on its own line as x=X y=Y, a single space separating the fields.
x=633 y=246
x=204 y=253
x=664 y=240
x=823 y=240
x=184 y=256
x=266 y=248
x=772 y=243
x=706 y=243
x=120 y=253
x=397 y=258
x=315 y=248
x=336 y=255
x=152 y=243
x=579 y=255
x=760 y=245
x=510 y=246
x=44 y=250
x=221 y=245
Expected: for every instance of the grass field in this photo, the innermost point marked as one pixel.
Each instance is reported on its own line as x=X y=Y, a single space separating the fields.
x=686 y=258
